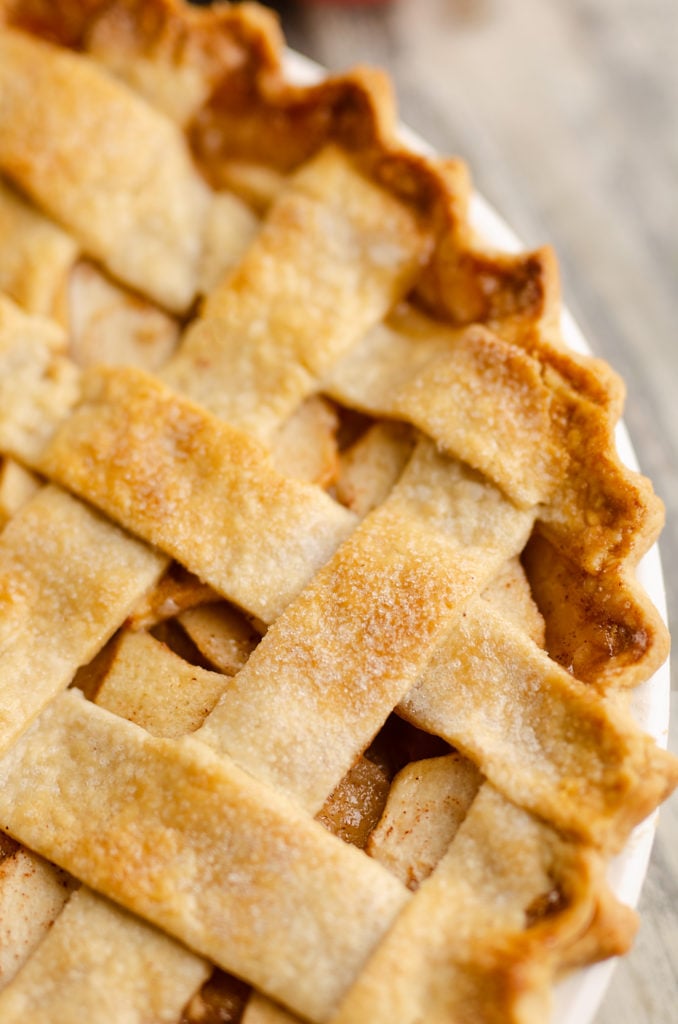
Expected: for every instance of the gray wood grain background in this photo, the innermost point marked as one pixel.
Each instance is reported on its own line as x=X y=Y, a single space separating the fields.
x=567 y=113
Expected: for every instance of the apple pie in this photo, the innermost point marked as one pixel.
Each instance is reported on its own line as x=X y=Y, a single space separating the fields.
x=318 y=609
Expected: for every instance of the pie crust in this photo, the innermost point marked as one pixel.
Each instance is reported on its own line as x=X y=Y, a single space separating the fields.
x=318 y=610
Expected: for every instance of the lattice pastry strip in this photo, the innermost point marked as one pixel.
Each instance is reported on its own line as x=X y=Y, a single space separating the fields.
x=99 y=447
x=36 y=255
x=427 y=802
x=97 y=961
x=411 y=365
x=207 y=830
x=42 y=270
x=143 y=647
x=383 y=288
x=583 y=781
x=225 y=473
x=126 y=404
x=515 y=292
x=106 y=324
x=510 y=594
x=351 y=644
x=151 y=686
x=581 y=787
x=306 y=445
x=150 y=219
x=98 y=956
x=68 y=578
x=595 y=782
x=424 y=561
x=539 y=448
x=17 y=485
x=590 y=922
x=587 y=921
x=334 y=255
x=37 y=384
x=447 y=382
x=138 y=208
x=193 y=486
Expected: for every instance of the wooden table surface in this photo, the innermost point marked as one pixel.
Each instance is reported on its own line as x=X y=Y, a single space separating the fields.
x=567 y=114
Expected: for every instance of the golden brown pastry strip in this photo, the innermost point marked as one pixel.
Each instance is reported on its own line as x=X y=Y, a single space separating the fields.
x=306 y=444
x=489 y=690
x=481 y=399
x=177 y=834
x=229 y=230
x=99 y=958
x=165 y=455
x=17 y=485
x=526 y=904
x=151 y=686
x=515 y=295
x=193 y=486
x=510 y=594
x=148 y=684
x=35 y=255
x=139 y=206
x=282 y=318
x=107 y=324
x=109 y=965
x=571 y=409
x=519 y=901
x=37 y=383
x=401 y=842
x=371 y=466
x=68 y=578
x=352 y=643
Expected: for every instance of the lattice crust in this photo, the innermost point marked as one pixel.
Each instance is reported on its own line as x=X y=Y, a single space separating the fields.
x=338 y=532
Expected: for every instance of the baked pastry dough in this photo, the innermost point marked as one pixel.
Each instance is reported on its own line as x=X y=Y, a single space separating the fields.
x=317 y=597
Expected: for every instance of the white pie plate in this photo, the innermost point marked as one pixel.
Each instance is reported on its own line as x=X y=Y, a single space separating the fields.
x=578 y=997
